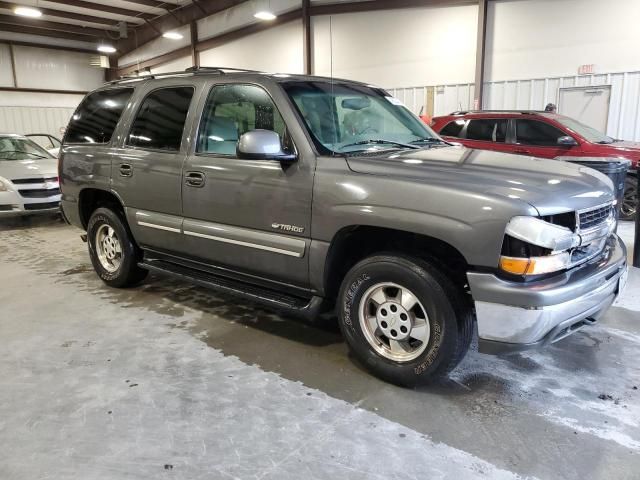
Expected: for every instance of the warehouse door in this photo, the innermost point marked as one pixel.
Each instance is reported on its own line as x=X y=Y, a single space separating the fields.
x=589 y=105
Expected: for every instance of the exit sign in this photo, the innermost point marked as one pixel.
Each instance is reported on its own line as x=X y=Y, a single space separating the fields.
x=586 y=69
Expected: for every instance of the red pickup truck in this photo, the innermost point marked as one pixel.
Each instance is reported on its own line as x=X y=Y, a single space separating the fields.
x=540 y=134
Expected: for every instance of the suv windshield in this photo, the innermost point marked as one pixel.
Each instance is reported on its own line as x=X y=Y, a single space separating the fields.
x=590 y=134
x=17 y=148
x=347 y=118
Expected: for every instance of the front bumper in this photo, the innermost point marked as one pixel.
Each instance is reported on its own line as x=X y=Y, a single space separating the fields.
x=12 y=204
x=515 y=316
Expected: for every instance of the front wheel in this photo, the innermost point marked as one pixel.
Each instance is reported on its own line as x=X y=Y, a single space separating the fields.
x=630 y=201
x=112 y=250
x=404 y=319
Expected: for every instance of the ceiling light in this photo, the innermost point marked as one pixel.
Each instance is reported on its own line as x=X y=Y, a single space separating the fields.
x=264 y=15
x=173 y=35
x=106 y=49
x=27 y=12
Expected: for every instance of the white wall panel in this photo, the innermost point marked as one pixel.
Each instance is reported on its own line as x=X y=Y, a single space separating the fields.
x=173 y=66
x=158 y=46
x=55 y=69
x=539 y=38
x=26 y=112
x=278 y=49
x=417 y=46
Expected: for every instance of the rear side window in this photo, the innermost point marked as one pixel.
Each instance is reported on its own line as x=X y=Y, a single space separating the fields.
x=97 y=116
x=533 y=132
x=160 y=119
x=453 y=129
x=488 y=130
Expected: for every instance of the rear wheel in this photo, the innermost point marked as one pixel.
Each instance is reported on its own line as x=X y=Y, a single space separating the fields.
x=630 y=202
x=113 y=252
x=404 y=319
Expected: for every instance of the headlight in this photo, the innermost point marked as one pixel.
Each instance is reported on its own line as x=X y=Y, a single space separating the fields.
x=533 y=246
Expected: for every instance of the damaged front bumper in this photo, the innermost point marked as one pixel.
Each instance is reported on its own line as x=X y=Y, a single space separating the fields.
x=514 y=316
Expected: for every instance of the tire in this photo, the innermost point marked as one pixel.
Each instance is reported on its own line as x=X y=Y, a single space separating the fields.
x=447 y=312
x=122 y=269
x=630 y=202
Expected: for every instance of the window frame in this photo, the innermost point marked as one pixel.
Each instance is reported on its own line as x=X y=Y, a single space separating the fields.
x=515 y=133
x=118 y=123
x=200 y=124
x=134 y=116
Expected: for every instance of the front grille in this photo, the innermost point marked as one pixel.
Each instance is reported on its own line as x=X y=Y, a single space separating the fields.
x=23 y=181
x=41 y=206
x=595 y=217
x=40 y=192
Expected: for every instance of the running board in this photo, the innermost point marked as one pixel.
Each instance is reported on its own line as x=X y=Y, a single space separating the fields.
x=305 y=308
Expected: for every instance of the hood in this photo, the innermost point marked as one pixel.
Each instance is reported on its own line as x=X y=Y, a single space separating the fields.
x=629 y=150
x=43 y=167
x=550 y=186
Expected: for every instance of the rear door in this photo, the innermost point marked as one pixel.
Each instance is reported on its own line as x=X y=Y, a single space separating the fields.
x=147 y=169
x=253 y=216
x=540 y=139
x=487 y=134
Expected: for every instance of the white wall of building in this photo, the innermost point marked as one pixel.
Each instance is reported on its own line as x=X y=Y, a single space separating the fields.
x=278 y=49
x=415 y=46
x=543 y=38
x=29 y=112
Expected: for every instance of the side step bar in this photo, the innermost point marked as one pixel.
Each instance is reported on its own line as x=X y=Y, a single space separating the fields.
x=305 y=308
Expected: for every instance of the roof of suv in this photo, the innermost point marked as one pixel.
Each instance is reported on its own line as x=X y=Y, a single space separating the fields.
x=209 y=71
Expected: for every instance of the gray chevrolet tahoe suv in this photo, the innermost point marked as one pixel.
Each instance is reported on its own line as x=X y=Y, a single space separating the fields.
x=307 y=194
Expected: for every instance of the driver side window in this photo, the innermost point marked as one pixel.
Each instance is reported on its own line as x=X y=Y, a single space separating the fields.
x=231 y=111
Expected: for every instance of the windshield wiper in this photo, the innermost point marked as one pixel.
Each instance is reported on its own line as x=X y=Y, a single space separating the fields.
x=429 y=140
x=21 y=151
x=379 y=141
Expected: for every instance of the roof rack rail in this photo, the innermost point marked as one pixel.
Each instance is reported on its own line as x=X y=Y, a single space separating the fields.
x=188 y=71
x=524 y=112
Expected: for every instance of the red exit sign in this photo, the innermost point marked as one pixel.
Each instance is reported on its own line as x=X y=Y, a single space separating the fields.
x=586 y=69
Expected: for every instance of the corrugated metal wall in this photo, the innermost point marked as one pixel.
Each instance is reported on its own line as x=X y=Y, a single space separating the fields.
x=26 y=120
x=534 y=94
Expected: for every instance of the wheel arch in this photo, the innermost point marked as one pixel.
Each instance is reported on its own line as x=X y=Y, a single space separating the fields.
x=353 y=243
x=91 y=199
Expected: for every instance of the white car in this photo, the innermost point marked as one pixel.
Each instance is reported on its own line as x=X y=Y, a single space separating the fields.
x=50 y=143
x=28 y=178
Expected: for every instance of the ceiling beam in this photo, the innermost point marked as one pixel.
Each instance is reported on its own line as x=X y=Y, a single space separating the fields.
x=47 y=46
x=68 y=15
x=45 y=25
x=43 y=33
x=180 y=17
x=371 y=5
x=154 y=3
x=98 y=7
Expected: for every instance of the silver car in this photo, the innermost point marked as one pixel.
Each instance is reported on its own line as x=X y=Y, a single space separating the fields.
x=28 y=178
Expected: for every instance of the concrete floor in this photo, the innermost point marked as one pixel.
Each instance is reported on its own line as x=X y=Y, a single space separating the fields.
x=172 y=381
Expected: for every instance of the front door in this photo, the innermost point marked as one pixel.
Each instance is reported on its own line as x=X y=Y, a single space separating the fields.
x=147 y=170
x=253 y=216
x=540 y=139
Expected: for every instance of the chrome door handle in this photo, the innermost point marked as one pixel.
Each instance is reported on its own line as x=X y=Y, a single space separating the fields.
x=194 y=179
x=126 y=170
x=522 y=150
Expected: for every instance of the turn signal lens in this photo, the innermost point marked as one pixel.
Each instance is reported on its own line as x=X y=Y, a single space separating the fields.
x=535 y=265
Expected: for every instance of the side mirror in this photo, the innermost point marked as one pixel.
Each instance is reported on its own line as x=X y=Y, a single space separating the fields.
x=262 y=145
x=567 y=141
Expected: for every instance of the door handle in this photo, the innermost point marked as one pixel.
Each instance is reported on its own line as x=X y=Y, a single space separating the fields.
x=522 y=150
x=126 y=170
x=194 y=179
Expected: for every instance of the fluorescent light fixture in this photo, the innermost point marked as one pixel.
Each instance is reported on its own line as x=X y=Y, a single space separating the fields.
x=265 y=15
x=172 y=35
x=106 y=49
x=27 y=12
